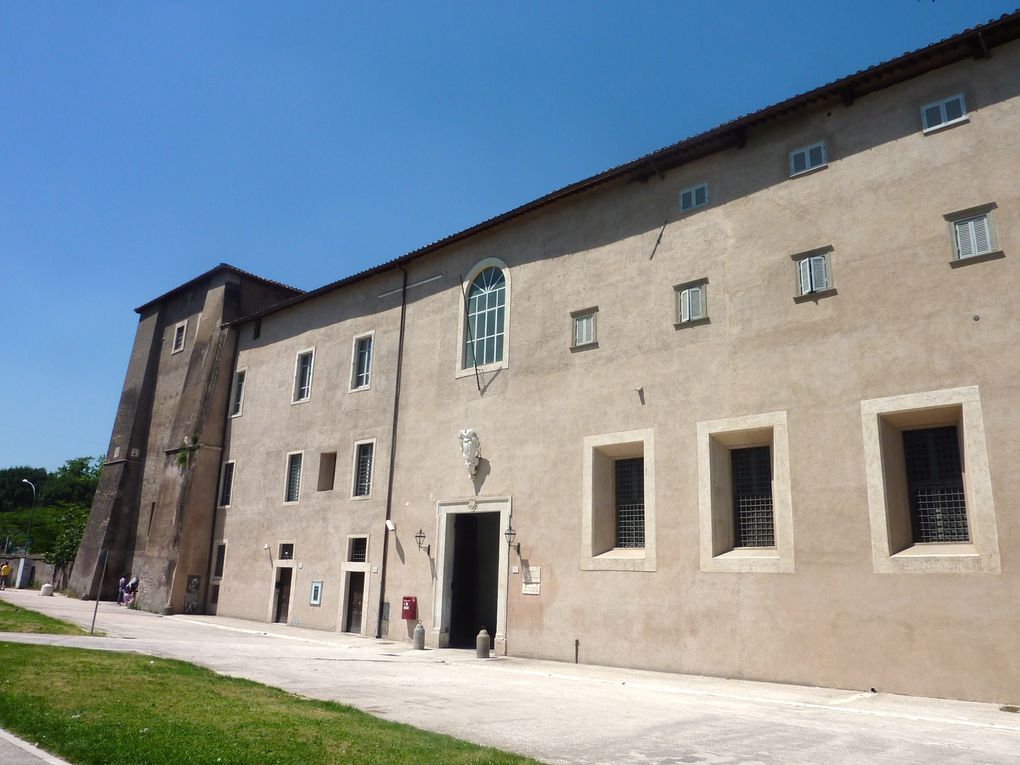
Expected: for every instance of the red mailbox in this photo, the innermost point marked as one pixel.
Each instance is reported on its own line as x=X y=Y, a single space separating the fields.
x=409 y=607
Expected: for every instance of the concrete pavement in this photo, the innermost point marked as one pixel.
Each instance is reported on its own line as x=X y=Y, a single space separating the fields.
x=560 y=713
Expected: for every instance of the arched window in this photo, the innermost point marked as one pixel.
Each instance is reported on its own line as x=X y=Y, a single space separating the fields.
x=486 y=318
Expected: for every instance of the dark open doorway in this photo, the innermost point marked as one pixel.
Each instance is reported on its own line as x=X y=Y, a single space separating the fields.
x=282 y=608
x=355 y=601
x=475 y=577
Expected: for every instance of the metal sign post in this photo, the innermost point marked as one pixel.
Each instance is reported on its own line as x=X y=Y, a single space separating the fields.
x=103 y=556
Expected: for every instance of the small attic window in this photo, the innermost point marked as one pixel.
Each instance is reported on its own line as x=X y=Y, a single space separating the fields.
x=180 y=331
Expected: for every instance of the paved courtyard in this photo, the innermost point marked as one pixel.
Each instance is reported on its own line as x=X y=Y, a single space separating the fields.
x=560 y=713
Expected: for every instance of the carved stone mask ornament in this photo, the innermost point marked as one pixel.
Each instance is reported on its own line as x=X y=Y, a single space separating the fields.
x=471 y=448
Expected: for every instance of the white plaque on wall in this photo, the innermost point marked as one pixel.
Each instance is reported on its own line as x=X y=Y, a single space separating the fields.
x=532 y=580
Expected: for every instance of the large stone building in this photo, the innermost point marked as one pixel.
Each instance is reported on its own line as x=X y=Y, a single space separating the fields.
x=747 y=406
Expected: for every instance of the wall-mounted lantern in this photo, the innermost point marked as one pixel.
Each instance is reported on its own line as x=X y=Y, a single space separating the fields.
x=510 y=536
x=419 y=537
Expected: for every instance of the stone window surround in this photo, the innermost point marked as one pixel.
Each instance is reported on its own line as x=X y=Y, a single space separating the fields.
x=464 y=289
x=219 y=486
x=958 y=406
x=621 y=445
x=174 y=348
x=311 y=375
x=716 y=437
x=234 y=393
x=987 y=210
x=286 y=477
x=354 y=471
x=593 y=312
x=354 y=361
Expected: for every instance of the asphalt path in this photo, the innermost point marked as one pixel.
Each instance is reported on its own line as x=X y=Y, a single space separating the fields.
x=555 y=712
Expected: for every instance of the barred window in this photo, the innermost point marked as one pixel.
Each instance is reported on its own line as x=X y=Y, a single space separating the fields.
x=221 y=553
x=486 y=316
x=363 y=470
x=751 y=471
x=359 y=550
x=630 y=502
x=938 y=508
x=293 y=478
x=226 y=484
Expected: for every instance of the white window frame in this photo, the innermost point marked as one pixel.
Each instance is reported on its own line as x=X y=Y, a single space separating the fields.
x=237 y=397
x=465 y=287
x=233 y=479
x=286 y=478
x=944 y=121
x=174 y=347
x=370 y=336
x=297 y=369
x=683 y=301
x=806 y=151
x=599 y=453
x=806 y=270
x=576 y=316
x=354 y=471
x=962 y=407
x=693 y=191
x=715 y=440
x=315 y=593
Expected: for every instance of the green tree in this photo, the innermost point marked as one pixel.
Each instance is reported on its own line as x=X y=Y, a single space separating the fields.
x=71 y=526
x=73 y=482
x=15 y=494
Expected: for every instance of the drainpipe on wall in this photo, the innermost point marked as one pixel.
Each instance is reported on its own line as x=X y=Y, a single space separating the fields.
x=393 y=452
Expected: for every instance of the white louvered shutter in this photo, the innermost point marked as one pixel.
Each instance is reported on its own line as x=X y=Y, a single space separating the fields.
x=982 y=240
x=964 y=238
x=819 y=277
x=805 y=276
x=694 y=303
x=685 y=305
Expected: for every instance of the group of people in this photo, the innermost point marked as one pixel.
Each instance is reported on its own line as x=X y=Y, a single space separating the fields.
x=126 y=590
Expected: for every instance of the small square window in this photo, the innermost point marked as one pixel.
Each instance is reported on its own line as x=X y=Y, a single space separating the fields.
x=948 y=111
x=973 y=236
x=180 y=332
x=695 y=196
x=358 y=552
x=363 y=469
x=807 y=158
x=303 y=376
x=287 y=551
x=237 y=394
x=361 y=366
x=813 y=273
x=584 y=327
x=691 y=301
x=226 y=484
x=293 y=490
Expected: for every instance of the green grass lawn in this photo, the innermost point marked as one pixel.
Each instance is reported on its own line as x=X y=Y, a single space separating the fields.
x=102 y=707
x=15 y=619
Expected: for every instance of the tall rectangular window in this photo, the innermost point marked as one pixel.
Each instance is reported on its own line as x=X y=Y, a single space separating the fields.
x=938 y=507
x=813 y=274
x=584 y=327
x=691 y=302
x=180 y=332
x=361 y=372
x=630 y=502
x=358 y=550
x=221 y=553
x=303 y=376
x=237 y=394
x=807 y=158
x=751 y=475
x=226 y=484
x=363 y=469
x=293 y=489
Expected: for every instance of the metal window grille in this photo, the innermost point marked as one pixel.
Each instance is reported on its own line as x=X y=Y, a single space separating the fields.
x=630 y=502
x=221 y=553
x=293 y=477
x=362 y=362
x=753 y=524
x=359 y=550
x=235 y=404
x=227 y=484
x=303 y=378
x=363 y=471
x=486 y=313
x=179 y=337
x=938 y=508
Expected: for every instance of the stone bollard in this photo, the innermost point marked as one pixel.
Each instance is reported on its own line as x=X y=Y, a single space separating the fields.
x=482 y=645
x=419 y=637
x=47 y=590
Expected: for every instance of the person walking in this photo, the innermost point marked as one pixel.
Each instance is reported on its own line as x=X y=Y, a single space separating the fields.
x=5 y=571
x=121 y=588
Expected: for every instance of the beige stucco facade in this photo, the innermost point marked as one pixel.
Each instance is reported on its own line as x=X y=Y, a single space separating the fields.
x=905 y=335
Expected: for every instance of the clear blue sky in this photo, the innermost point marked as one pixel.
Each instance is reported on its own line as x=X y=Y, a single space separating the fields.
x=142 y=143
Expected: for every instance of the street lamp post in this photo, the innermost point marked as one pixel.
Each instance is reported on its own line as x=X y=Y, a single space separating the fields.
x=31 y=511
